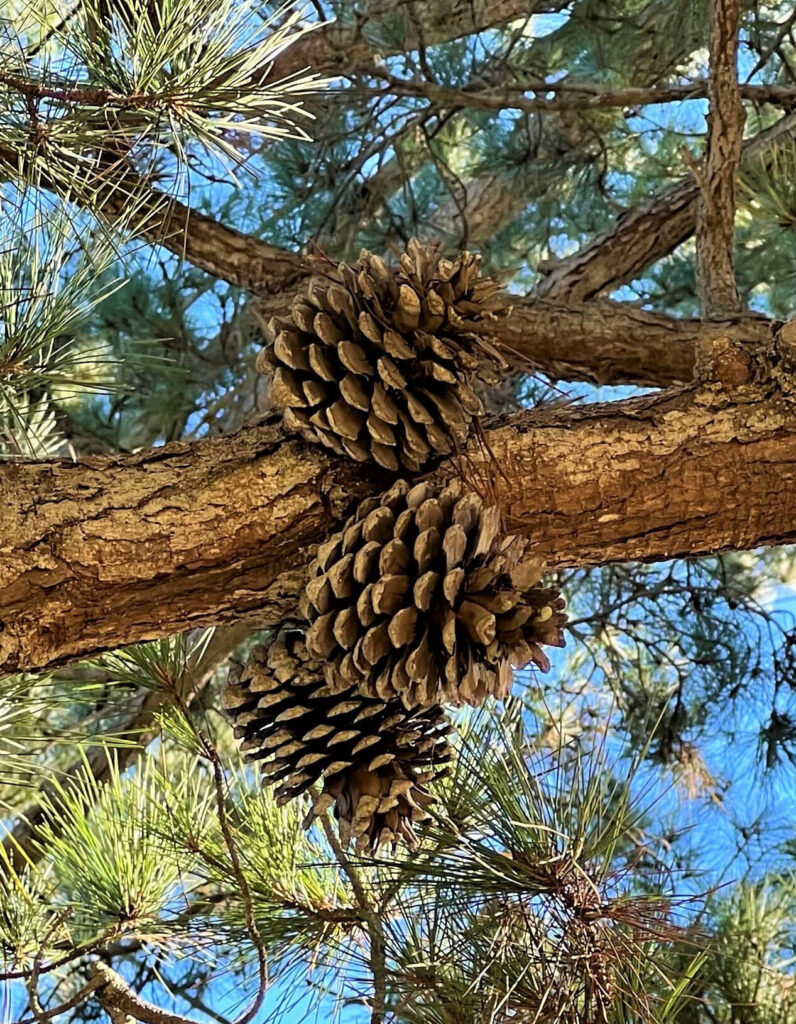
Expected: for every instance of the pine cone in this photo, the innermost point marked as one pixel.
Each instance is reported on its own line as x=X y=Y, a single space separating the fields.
x=379 y=364
x=421 y=596
x=375 y=759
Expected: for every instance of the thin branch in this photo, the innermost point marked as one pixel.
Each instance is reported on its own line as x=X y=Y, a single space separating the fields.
x=570 y=95
x=211 y=754
x=89 y=96
x=33 y=981
x=715 y=229
x=76 y=1000
x=75 y=953
x=248 y=903
x=333 y=47
x=373 y=922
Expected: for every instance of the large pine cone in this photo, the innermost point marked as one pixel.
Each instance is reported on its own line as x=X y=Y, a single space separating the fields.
x=375 y=759
x=380 y=364
x=421 y=596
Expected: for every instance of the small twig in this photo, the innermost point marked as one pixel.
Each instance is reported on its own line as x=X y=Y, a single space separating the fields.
x=375 y=929
x=568 y=94
x=33 y=982
x=248 y=905
x=90 y=96
x=70 y=1004
x=53 y=31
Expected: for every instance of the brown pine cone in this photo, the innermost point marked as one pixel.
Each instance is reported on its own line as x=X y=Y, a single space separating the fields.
x=375 y=759
x=421 y=596
x=379 y=363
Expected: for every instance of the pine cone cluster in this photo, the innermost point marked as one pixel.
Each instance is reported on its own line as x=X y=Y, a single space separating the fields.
x=374 y=758
x=379 y=364
x=422 y=597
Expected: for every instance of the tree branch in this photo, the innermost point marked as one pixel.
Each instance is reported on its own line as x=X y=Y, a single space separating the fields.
x=108 y=551
x=570 y=95
x=120 y=1002
x=715 y=228
x=605 y=342
x=334 y=47
x=241 y=259
x=616 y=344
x=644 y=234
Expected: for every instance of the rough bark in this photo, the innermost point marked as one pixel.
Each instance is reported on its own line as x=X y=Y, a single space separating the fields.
x=642 y=235
x=715 y=230
x=108 y=551
x=610 y=343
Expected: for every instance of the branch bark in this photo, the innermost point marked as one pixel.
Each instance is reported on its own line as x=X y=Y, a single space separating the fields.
x=715 y=230
x=604 y=342
x=107 y=551
x=644 y=234
x=610 y=343
x=121 y=1003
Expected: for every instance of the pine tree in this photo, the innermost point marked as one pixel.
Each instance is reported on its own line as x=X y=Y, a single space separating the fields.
x=340 y=346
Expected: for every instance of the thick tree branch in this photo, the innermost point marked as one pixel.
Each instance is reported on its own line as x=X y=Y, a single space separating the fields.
x=606 y=342
x=108 y=551
x=544 y=334
x=715 y=229
x=644 y=234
